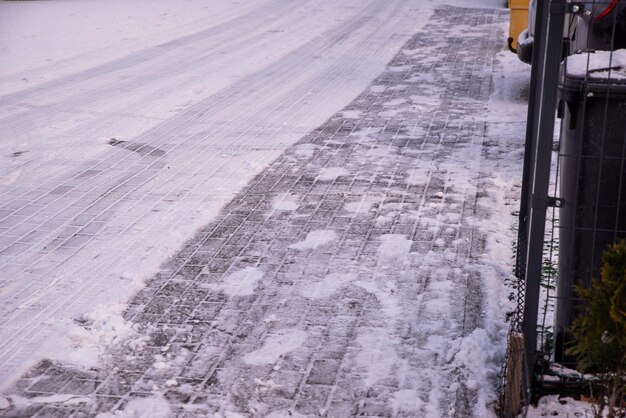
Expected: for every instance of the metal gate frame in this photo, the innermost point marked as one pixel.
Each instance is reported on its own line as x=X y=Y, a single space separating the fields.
x=535 y=200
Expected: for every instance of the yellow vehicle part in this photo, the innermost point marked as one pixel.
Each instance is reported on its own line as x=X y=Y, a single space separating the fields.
x=519 y=20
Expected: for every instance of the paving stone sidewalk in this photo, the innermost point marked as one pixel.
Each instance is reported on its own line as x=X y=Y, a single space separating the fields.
x=340 y=281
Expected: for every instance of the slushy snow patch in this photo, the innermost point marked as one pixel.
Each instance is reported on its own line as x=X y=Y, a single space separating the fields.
x=275 y=346
x=315 y=239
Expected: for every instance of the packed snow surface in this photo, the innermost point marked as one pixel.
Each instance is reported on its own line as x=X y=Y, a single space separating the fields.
x=598 y=65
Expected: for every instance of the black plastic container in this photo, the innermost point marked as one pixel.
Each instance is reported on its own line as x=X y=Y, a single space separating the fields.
x=593 y=187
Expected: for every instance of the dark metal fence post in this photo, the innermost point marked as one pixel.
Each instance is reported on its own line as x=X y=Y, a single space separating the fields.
x=546 y=64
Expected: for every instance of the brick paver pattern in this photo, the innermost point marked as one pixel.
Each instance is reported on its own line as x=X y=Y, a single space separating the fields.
x=336 y=283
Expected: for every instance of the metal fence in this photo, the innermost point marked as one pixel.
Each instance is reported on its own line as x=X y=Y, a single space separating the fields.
x=573 y=202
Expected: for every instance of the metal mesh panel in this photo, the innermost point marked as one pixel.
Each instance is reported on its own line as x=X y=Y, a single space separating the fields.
x=584 y=212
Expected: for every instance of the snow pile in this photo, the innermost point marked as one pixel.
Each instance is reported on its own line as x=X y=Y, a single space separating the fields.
x=92 y=334
x=405 y=402
x=473 y=350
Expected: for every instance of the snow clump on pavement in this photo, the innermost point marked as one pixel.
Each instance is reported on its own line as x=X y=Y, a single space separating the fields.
x=331 y=173
x=152 y=407
x=275 y=346
x=93 y=333
x=315 y=239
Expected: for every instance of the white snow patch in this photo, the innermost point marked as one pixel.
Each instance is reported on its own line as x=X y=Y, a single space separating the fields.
x=271 y=319
x=275 y=346
x=552 y=406
x=228 y=414
x=424 y=103
x=285 y=413
x=477 y=348
x=392 y=113
x=599 y=65
x=364 y=205
x=326 y=287
x=4 y=403
x=399 y=87
x=352 y=114
x=285 y=202
x=315 y=239
x=331 y=173
x=377 y=355
x=161 y=365
x=395 y=102
x=305 y=150
x=399 y=68
x=385 y=293
x=378 y=88
x=417 y=176
x=241 y=283
x=406 y=401
x=394 y=246
x=265 y=385
x=379 y=152
x=20 y=402
x=151 y=407
x=369 y=132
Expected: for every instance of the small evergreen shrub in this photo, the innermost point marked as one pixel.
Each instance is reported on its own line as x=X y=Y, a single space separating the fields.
x=599 y=333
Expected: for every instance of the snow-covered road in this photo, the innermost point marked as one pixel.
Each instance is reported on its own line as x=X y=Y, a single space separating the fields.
x=125 y=126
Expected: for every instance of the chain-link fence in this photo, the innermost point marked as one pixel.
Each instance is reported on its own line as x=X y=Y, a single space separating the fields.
x=573 y=204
